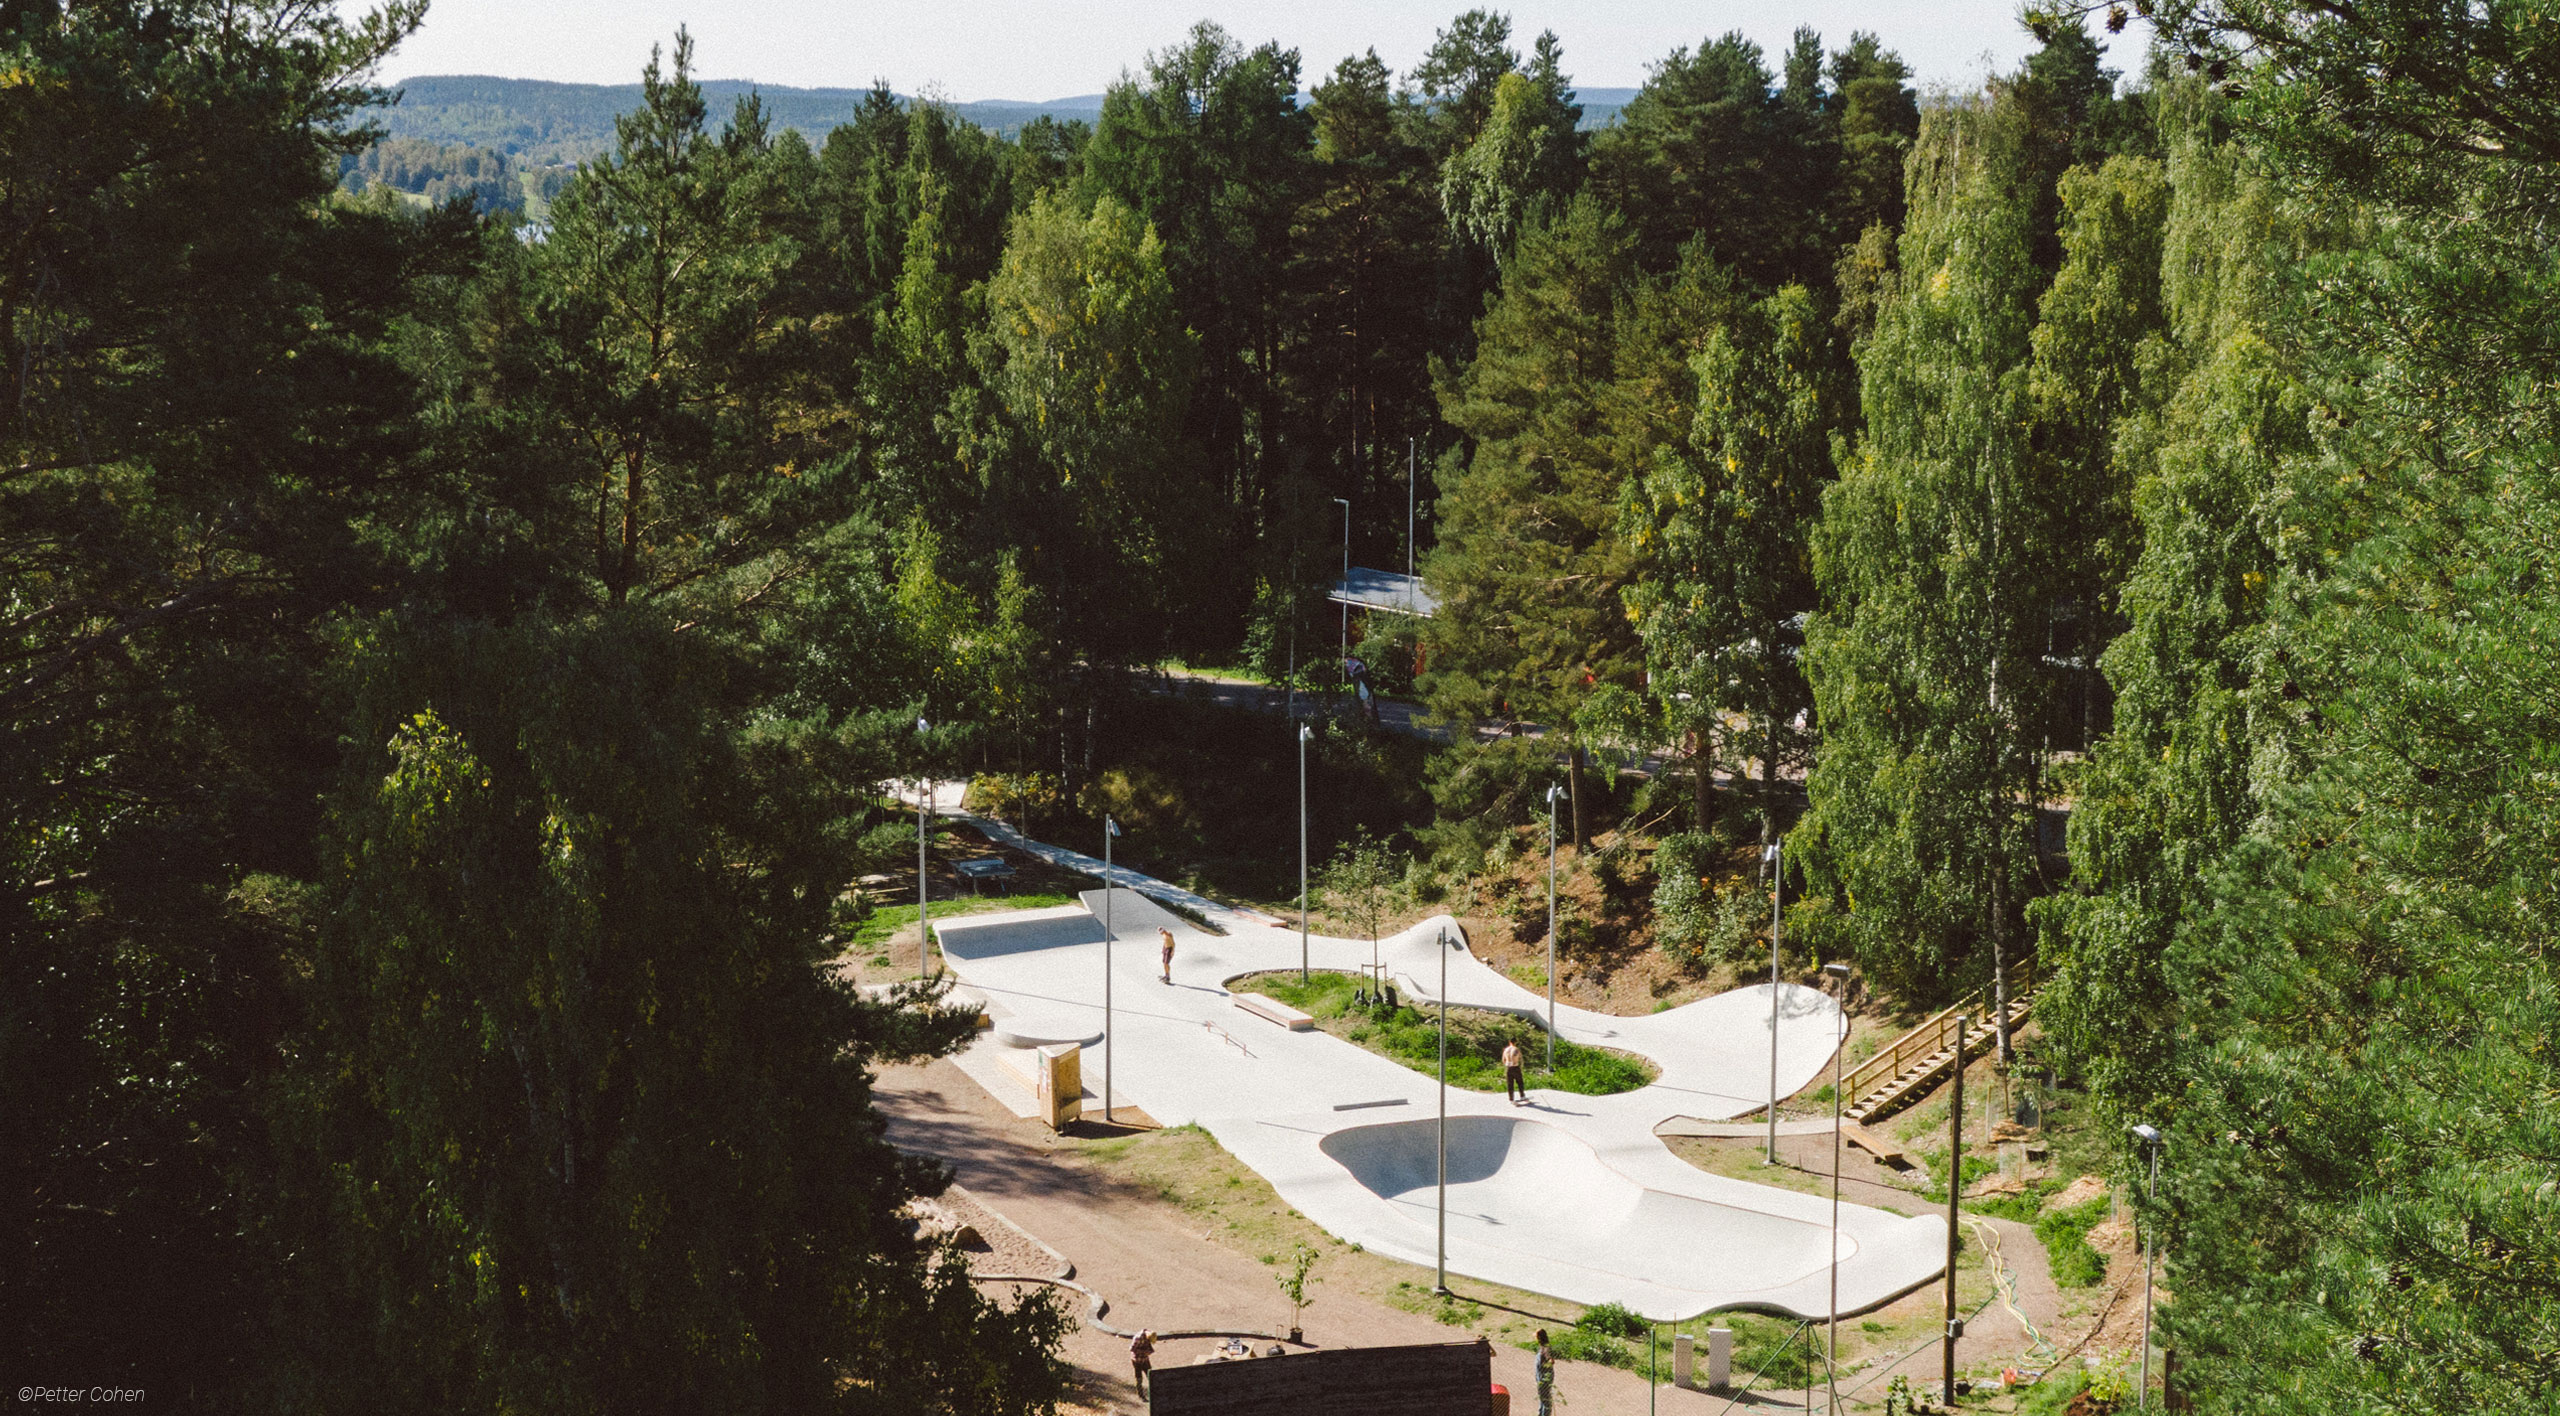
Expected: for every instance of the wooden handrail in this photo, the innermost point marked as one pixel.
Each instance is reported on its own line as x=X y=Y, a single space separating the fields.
x=1931 y=1036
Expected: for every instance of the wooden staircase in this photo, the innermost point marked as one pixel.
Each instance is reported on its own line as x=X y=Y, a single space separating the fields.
x=1925 y=1056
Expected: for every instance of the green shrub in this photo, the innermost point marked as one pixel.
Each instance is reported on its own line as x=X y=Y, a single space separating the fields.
x=1016 y=797
x=884 y=848
x=1934 y=1163
x=1683 y=919
x=1576 y=1344
x=1612 y=1319
x=2065 y=1234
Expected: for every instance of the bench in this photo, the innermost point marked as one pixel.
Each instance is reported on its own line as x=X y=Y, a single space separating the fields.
x=1868 y=1141
x=1273 y=1010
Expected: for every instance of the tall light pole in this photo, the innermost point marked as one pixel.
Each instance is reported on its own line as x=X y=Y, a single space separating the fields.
x=1409 y=463
x=1442 y=1286
x=2150 y=1138
x=1345 y=504
x=924 y=811
x=1955 y=1196
x=1553 y=792
x=1775 y=858
x=1831 y=1362
x=1304 y=732
x=1110 y=829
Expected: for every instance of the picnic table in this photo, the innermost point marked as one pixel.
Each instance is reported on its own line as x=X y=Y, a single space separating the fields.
x=984 y=868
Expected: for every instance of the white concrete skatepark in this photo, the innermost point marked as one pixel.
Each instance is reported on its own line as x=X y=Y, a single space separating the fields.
x=1573 y=1196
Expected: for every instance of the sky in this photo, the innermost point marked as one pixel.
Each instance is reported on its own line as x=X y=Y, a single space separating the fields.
x=1044 y=49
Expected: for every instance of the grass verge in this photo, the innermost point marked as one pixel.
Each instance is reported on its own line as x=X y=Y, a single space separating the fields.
x=870 y=933
x=1476 y=1037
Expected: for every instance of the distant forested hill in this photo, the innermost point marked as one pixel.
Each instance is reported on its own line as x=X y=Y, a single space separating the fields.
x=539 y=123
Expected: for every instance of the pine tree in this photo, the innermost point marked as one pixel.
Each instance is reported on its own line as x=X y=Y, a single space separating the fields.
x=1361 y=261
x=1529 y=564
x=578 y=1123
x=668 y=368
x=203 y=428
x=1710 y=148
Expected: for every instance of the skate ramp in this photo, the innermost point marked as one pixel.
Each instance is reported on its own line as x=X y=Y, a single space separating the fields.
x=1540 y=1192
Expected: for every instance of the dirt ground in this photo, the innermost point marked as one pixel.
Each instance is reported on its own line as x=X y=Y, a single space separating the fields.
x=1162 y=1267
x=1175 y=1235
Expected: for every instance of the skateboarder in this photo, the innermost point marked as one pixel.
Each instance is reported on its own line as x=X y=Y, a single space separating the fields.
x=1515 y=1088
x=1167 y=935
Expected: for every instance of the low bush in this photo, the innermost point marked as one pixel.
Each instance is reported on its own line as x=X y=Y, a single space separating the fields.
x=1613 y=1319
x=2065 y=1235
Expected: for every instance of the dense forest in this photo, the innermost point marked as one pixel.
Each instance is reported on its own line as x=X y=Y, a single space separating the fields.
x=446 y=659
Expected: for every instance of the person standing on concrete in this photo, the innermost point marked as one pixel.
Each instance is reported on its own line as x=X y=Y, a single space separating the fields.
x=1142 y=1356
x=1515 y=1088
x=1168 y=953
x=1546 y=1376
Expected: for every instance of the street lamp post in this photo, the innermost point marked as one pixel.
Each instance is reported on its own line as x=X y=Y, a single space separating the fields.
x=2150 y=1138
x=1955 y=1196
x=1303 y=734
x=1345 y=504
x=1110 y=830
x=924 y=811
x=1409 y=464
x=1831 y=1361
x=1442 y=1285
x=1775 y=858
x=1553 y=792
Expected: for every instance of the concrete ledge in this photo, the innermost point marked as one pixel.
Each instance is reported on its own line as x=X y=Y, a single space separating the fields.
x=1275 y=1011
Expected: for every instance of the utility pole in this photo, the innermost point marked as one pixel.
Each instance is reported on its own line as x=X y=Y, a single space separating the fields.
x=1409 y=463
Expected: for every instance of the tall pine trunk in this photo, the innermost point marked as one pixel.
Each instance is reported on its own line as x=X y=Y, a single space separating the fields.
x=1702 y=756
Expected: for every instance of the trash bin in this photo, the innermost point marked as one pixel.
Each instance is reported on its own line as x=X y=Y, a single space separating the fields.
x=1501 y=1400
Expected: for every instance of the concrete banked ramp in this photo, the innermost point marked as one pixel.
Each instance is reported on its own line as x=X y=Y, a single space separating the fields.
x=1570 y=1195
x=1527 y=1186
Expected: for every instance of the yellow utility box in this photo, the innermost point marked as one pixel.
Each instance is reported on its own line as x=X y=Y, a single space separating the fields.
x=1060 y=1084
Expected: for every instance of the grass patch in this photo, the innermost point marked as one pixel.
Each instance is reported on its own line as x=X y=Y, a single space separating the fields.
x=873 y=931
x=1934 y=1165
x=2065 y=1235
x=1476 y=1037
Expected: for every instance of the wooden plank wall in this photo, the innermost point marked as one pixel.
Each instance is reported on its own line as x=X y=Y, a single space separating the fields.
x=1436 y=1379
